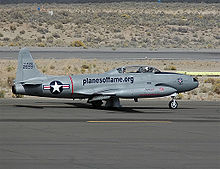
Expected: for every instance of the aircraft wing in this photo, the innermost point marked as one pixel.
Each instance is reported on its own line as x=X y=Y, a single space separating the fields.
x=98 y=94
x=91 y=92
x=109 y=92
x=101 y=97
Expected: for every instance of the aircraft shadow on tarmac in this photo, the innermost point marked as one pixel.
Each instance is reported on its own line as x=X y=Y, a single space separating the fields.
x=124 y=109
x=129 y=109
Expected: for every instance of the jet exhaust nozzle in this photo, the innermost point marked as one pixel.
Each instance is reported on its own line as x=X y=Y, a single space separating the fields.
x=18 y=89
x=13 y=89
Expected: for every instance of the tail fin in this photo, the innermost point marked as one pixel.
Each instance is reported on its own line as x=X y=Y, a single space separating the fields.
x=26 y=66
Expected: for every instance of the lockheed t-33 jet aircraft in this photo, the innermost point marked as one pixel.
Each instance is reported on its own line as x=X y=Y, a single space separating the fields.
x=131 y=82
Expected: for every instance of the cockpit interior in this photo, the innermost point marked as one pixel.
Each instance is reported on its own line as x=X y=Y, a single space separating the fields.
x=137 y=69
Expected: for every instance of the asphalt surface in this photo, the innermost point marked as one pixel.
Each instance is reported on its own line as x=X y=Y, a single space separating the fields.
x=122 y=54
x=54 y=134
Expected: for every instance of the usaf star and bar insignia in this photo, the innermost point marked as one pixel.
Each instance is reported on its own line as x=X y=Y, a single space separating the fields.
x=56 y=87
x=180 y=81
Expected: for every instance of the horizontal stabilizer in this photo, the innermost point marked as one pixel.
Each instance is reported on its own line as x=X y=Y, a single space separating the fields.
x=34 y=81
x=31 y=83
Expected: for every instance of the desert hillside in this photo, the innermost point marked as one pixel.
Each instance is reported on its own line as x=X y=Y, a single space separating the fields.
x=102 y=1
x=115 y=25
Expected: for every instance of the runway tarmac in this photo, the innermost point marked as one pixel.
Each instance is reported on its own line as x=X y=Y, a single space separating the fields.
x=109 y=54
x=54 y=134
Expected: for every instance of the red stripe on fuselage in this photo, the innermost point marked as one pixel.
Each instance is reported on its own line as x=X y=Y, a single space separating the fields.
x=46 y=87
x=71 y=83
x=66 y=86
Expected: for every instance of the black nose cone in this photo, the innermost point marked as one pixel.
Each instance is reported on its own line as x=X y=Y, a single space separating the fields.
x=196 y=82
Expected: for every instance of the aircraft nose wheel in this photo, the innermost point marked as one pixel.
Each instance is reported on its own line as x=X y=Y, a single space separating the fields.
x=173 y=104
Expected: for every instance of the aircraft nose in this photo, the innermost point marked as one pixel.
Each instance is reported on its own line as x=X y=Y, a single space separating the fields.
x=195 y=82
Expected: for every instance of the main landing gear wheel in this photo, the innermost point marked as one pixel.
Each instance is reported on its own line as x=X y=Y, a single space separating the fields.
x=113 y=102
x=97 y=103
x=173 y=104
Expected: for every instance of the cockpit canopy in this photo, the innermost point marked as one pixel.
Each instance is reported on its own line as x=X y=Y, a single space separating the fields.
x=137 y=69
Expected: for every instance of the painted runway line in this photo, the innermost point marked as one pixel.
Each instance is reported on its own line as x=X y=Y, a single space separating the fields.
x=129 y=121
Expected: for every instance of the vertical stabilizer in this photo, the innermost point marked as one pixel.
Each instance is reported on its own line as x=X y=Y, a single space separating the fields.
x=26 y=66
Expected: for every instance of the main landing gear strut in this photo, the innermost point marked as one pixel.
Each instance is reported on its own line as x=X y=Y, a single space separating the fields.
x=173 y=103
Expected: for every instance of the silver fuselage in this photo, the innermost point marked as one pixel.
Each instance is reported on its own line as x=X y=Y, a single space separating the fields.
x=129 y=85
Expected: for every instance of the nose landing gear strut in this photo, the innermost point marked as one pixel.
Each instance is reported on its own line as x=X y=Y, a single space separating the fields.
x=173 y=103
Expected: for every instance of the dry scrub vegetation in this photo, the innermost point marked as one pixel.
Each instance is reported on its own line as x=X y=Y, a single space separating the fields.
x=137 y=25
x=209 y=88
